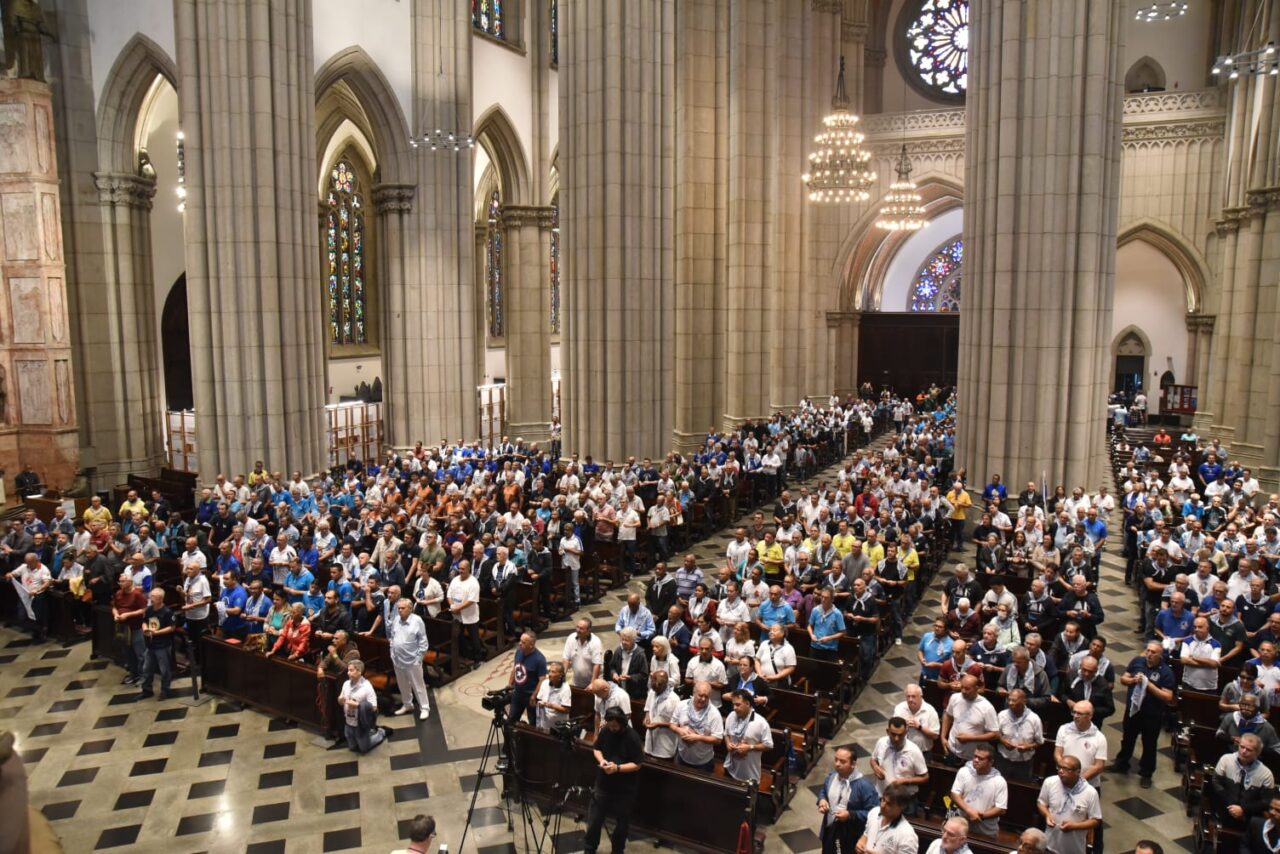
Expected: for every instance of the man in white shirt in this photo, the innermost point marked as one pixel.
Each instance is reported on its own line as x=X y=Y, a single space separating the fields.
x=1070 y=808
x=731 y=611
x=699 y=727
x=32 y=580
x=980 y=791
x=360 y=709
x=583 y=655
x=969 y=719
x=1082 y=740
x=196 y=600
x=706 y=667
x=954 y=839
x=407 y=637
x=554 y=698
x=1021 y=732
x=897 y=759
x=571 y=558
x=888 y=831
x=609 y=695
x=1201 y=655
x=738 y=553
x=660 y=709
x=747 y=736
x=464 y=603
x=922 y=720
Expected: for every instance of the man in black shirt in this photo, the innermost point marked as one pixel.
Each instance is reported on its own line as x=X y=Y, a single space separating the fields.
x=157 y=633
x=618 y=751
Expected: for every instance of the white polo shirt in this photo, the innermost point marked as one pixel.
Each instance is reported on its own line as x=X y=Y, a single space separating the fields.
x=1088 y=746
x=1027 y=728
x=898 y=837
x=982 y=792
x=907 y=762
x=582 y=658
x=1080 y=804
x=969 y=719
x=754 y=730
x=926 y=718
x=661 y=741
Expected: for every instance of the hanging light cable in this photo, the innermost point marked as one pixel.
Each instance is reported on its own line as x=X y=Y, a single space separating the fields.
x=902 y=210
x=838 y=170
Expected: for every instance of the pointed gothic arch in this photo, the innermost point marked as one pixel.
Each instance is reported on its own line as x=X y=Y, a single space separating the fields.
x=368 y=101
x=1180 y=251
x=128 y=86
x=495 y=131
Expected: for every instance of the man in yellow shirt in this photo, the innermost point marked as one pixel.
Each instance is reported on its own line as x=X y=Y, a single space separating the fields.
x=843 y=540
x=769 y=553
x=134 y=505
x=873 y=549
x=95 y=512
x=960 y=503
x=911 y=560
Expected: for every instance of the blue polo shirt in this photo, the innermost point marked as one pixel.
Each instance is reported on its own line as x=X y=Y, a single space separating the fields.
x=343 y=589
x=779 y=614
x=234 y=599
x=826 y=624
x=934 y=649
x=1172 y=626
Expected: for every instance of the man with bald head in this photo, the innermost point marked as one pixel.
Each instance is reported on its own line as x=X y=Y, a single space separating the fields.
x=954 y=839
x=700 y=728
x=1070 y=807
x=609 y=695
x=969 y=720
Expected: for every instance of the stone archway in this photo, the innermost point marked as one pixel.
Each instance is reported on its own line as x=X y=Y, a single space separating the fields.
x=175 y=343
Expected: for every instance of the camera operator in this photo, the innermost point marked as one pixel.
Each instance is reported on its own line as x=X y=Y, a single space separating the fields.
x=527 y=674
x=618 y=753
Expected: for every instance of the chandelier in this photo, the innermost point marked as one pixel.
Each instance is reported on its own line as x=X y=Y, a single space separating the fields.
x=902 y=210
x=1264 y=60
x=838 y=170
x=443 y=140
x=1163 y=10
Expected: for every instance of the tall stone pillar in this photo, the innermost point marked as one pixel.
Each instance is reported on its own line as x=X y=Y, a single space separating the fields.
x=1199 y=336
x=129 y=439
x=616 y=155
x=701 y=190
x=528 y=278
x=253 y=257
x=430 y=324
x=1042 y=164
x=37 y=398
x=843 y=328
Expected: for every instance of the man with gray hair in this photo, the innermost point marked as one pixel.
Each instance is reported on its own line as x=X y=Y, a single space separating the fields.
x=1032 y=841
x=1241 y=786
x=954 y=839
x=360 y=710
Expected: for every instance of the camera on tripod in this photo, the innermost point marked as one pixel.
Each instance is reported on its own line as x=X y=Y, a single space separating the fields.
x=497 y=701
x=567 y=730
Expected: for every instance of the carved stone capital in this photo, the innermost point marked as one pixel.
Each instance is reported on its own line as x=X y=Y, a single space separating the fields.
x=1201 y=323
x=836 y=319
x=874 y=57
x=526 y=216
x=854 y=31
x=123 y=189
x=829 y=6
x=391 y=198
x=1263 y=199
x=1231 y=220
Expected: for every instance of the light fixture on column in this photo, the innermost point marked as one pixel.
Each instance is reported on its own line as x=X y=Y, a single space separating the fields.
x=443 y=140
x=1164 y=10
x=838 y=170
x=182 y=172
x=1264 y=60
x=902 y=210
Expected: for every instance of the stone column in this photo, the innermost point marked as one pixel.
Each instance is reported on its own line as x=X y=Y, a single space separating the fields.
x=528 y=284
x=617 y=142
x=1200 y=333
x=130 y=438
x=431 y=369
x=1042 y=163
x=393 y=205
x=843 y=328
x=37 y=399
x=701 y=190
x=253 y=257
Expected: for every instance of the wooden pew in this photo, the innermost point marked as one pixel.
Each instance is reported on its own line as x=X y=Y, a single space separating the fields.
x=282 y=688
x=667 y=792
x=799 y=713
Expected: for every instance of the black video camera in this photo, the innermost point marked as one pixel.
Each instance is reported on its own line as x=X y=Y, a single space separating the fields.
x=499 y=700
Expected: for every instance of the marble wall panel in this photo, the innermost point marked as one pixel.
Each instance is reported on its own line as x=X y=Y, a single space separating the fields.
x=26 y=300
x=15 y=139
x=21 y=233
x=34 y=394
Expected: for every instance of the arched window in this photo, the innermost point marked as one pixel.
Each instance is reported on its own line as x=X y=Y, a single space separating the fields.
x=555 y=267
x=937 y=282
x=344 y=248
x=934 y=46
x=493 y=266
x=488 y=16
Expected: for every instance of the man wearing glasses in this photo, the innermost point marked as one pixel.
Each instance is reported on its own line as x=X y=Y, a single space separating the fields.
x=1070 y=808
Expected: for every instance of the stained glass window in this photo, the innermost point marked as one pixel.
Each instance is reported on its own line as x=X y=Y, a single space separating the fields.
x=344 y=248
x=555 y=32
x=493 y=266
x=487 y=17
x=937 y=283
x=555 y=269
x=937 y=45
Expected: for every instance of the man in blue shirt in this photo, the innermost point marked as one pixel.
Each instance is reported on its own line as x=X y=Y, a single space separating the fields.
x=340 y=586
x=826 y=625
x=527 y=674
x=1210 y=469
x=233 y=599
x=995 y=492
x=933 y=651
x=227 y=561
x=1150 y=683
x=775 y=611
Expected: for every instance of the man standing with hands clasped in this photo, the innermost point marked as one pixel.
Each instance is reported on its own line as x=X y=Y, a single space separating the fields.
x=618 y=751
x=1070 y=808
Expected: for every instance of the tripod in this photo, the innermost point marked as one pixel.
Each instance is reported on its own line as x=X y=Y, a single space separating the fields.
x=500 y=735
x=549 y=830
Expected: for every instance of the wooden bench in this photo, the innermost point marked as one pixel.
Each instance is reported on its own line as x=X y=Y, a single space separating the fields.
x=286 y=689
x=799 y=713
x=546 y=765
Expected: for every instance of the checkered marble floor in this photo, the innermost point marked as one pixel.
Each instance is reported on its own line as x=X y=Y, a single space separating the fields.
x=167 y=776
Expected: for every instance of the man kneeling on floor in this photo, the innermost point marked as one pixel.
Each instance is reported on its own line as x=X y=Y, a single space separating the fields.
x=360 y=706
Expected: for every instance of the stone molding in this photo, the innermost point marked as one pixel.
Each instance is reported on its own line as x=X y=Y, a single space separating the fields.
x=1231 y=220
x=1201 y=322
x=1172 y=102
x=918 y=148
x=390 y=198
x=523 y=216
x=1263 y=199
x=118 y=189
x=1182 y=130
x=853 y=31
x=834 y=7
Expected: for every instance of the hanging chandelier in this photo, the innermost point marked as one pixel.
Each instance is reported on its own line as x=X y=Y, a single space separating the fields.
x=1263 y=60
x=838 y=170
x=1160 y=10
x=902 y=210
x=443 y=140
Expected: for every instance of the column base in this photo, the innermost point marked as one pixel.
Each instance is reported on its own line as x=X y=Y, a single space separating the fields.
x=532 y=431
x=686 y=443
